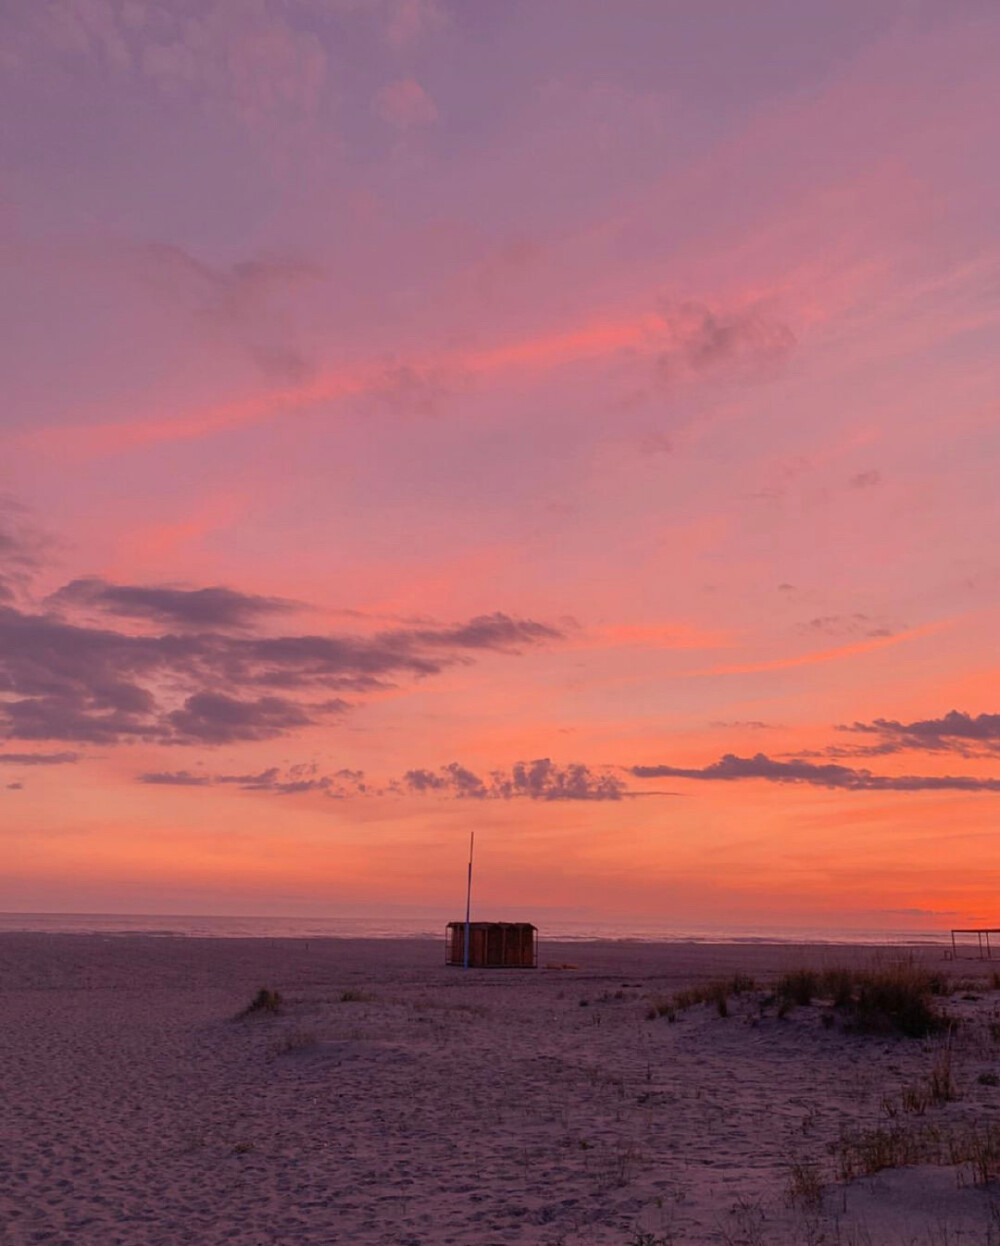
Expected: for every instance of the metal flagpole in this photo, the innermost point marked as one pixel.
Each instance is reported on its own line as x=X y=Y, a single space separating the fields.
x=468 y=899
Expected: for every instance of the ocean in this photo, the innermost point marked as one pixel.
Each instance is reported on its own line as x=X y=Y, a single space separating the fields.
x=355 y=927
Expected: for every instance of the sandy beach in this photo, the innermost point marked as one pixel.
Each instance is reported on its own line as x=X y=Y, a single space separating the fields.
x=394 y=1100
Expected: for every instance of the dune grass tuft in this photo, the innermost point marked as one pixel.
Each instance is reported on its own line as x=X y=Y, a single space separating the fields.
x=882 y=1001
x=264 y=1003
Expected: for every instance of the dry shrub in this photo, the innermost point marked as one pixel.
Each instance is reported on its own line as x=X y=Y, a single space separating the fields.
x=838 y=985
x=938 y=1089
x=741 y=984
x=805 y=1185
x=716 y=993
x=942 y=1085
x=881 y=1001
x=297 y=1040
x=870 y=1151
x=799 y=986
x=264 y=1004
x=895 y=1000
x=977 y=1145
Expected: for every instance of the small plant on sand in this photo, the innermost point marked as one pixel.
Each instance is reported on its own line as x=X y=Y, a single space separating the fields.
x=716 y=993
x=352 y=996
x=988 y=1079
x=660 y=1007
x=978 y=1145
x=941 y=1084
x=264 y=1004
x=744 y=1225
x=938 y=1089
x=869 y=1151
x=805 y=1185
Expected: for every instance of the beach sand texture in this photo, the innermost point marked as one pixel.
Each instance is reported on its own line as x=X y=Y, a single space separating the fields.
x=399 y=1102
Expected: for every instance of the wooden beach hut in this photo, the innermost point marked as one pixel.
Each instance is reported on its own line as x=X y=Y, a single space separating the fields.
x=493 y=945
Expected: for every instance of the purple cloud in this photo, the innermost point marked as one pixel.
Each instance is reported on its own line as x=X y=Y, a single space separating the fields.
x=866 y=480
x=287 y=781
x=702 y=338
x=214 y=718
x=175 y=778
x=215 y=607
x=233 y=299
x=955 y=732
x=38 y=759
x=846 y=625
x=62 y=679
x=486 y=631
x=21 y=549
x=537 y=780
x=731 y=768
x=424 y=781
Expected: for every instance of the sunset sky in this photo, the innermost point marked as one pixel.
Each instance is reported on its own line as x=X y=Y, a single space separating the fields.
x=573 y=421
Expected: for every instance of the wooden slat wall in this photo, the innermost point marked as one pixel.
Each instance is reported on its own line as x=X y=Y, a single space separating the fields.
x=493 y=945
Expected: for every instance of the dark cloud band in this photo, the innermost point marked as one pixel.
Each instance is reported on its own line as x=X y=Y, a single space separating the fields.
x=731 y=768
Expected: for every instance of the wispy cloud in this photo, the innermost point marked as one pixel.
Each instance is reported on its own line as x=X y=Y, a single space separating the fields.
x=405 y=104
x=701 y=338
x=847 y=625
x=38 y=759
x=276 y=780
x=677 y=345
x=247 y=61
x=408 y=21
x=22 y=549
x=879 y=641
x=235 y=301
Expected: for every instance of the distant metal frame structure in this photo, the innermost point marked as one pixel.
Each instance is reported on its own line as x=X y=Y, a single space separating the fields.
x=982 y=935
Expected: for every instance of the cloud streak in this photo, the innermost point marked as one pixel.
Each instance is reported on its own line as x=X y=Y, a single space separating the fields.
x=685 y=342
x=279 y=781
x=730 y=768
x=38 y=759
x=215 y=607
x=824 y=655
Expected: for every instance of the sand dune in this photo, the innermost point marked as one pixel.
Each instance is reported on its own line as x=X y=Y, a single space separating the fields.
x=396 y=1101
